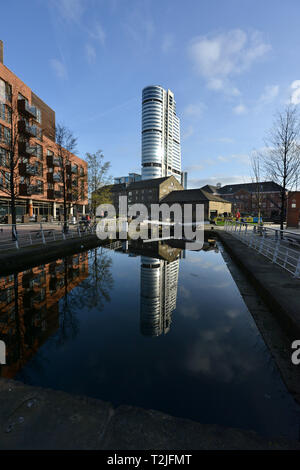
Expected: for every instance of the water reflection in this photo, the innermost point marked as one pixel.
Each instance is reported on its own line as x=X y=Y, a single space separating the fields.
x=148 y=325
x=41 y=301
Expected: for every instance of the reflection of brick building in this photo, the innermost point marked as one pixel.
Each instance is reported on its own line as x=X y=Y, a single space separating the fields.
x=39 y=179
x=293 y=210
x=244 y=197
x=29 y=307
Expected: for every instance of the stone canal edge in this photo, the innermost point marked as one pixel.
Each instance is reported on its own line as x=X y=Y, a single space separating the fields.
x=37 y=418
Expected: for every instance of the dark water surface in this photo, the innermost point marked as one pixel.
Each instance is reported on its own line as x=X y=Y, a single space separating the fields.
x=159 y=328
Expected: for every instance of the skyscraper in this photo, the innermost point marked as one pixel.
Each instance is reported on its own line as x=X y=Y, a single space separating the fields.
x=161 y=154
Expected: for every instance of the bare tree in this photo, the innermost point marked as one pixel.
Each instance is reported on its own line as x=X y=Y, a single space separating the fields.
x=282 y=156
x=66 y=144
x=15 y=154
x=255 y=161
x=98 y=179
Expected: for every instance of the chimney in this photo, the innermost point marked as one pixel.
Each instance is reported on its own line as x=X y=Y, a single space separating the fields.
x=1 y=52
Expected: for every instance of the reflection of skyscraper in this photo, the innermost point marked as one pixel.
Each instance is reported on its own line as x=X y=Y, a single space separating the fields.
x=159 y=280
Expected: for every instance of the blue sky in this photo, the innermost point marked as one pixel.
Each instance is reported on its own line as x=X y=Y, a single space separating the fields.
x=230 y=63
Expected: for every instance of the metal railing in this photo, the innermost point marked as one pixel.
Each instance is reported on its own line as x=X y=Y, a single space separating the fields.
x=279 y=246
x=22 y=235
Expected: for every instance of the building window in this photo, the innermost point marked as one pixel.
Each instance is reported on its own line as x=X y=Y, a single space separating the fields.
x=5 y=134
x=4 y=160
x=38 y=116
x=5 y=91
x=39 y=151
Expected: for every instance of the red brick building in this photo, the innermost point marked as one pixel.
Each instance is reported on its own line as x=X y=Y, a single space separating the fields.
x=244 y=197
x=293 y=210
x=39 y=183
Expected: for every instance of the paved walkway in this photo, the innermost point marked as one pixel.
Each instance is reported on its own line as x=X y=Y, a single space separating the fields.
x=279 y=288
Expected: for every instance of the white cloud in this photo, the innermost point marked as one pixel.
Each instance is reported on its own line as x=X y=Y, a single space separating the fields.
x=167 y=43
x=90 y=53
x=219 y=57
x=240 y=109
x=269 y=94
x=194 y=110
x=70 y=10
x=98 y=33
x=224 y=140
x=141 y=31
x=295 y=96
x=59 y=68
x=193 y=168
x=188 y=132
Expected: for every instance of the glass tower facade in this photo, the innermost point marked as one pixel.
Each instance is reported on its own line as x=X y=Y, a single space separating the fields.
x=161 y=153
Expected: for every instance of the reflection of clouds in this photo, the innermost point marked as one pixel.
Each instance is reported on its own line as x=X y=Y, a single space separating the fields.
x=192 y=311
x=221 y=267
x=232 y=313
x=209 y=335
x=185 y=293
x=204 y=264
x=212 y=355
x=221 y=285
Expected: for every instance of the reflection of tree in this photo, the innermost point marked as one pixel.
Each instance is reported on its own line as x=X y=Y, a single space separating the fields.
x=96 y=288
x=101 y=280
x=92 y=292
x=69 y=327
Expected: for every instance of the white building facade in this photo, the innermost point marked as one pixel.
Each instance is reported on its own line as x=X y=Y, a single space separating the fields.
x=161 y=150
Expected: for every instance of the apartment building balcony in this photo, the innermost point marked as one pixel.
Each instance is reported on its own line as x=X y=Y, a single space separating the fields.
x=29 y=189
x=57 y=177
x=4 y=185
x=50 y=194
x=26 y=129
x=26 y=149
x=72 y=169
x=53 y=161
x=27 y=110
x=54 y=178
x=58 y=195
x=27 y=169
x=35 y=189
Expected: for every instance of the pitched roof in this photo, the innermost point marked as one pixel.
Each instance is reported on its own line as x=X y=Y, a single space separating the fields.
x=151 y=183
x=147 y=183
x=210 y=188
x=192 y=195
x=265 y=186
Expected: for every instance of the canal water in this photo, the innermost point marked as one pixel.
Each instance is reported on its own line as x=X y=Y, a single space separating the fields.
x=153 y=326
